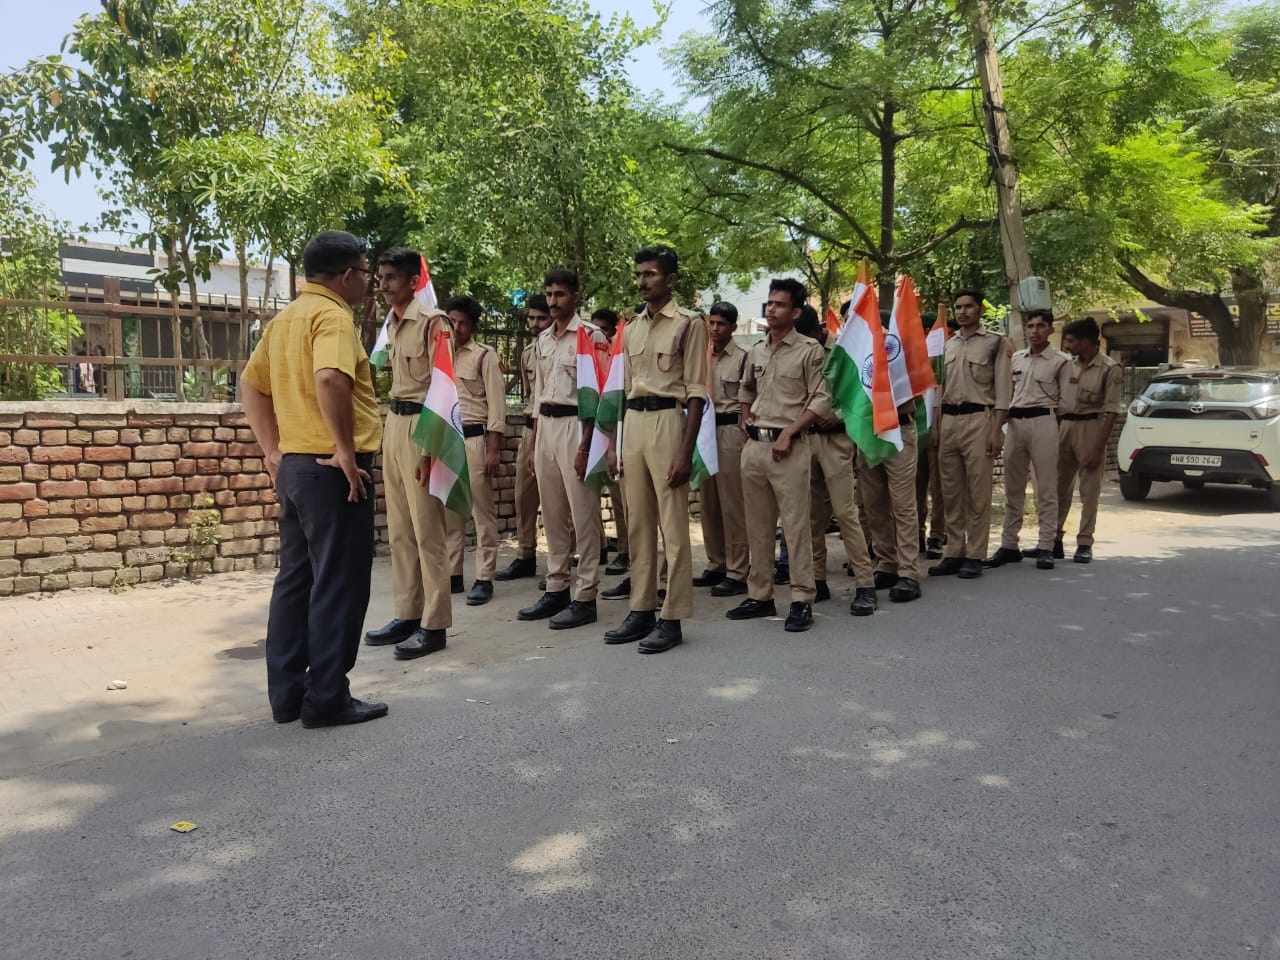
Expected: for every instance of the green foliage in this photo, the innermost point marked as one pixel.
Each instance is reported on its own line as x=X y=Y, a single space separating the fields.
x=205 y=525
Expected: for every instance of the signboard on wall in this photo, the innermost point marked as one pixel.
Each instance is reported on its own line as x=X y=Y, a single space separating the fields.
x=1200 y=326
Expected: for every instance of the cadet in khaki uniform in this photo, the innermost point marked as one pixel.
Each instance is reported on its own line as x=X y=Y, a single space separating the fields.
x=416 y=521
x=783 y=394
x=482 y=402
x=833 y=492
x=525 y=563
x=570 y=509
x=665 y=351
x=975 y=406
x=1089 y=416
x=1041 y=377
x=724 y=527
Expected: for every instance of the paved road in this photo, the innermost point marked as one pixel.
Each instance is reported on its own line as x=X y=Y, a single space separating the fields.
x=1077 y=764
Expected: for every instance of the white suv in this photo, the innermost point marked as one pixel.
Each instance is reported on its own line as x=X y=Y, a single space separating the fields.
x=1200 y=426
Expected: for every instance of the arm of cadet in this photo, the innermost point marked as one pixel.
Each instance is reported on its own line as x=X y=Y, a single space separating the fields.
x=682 y=465
x=495 y=391
x=333 y=393
x=695 y=374
x=260 y=411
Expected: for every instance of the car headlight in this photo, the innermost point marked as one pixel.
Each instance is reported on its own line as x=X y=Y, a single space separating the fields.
x=1267 y=409
x=1139 y=407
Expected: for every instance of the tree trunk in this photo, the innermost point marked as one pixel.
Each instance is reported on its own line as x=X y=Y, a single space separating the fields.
x=175 y=302
x=1240 y=344
x=888 y=199
x=242 y=262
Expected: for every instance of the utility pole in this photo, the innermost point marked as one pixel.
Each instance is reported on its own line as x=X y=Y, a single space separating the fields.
x=1013 y=239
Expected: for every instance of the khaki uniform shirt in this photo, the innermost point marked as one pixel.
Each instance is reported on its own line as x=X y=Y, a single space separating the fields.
x=1095 y=386
x=528 y=365
x=977 y=370
x=556 y=370
x=410 y=350
x=1040 y=380
x=666 y=354
x=783 y=380
x=481 y=389
x=731 y=367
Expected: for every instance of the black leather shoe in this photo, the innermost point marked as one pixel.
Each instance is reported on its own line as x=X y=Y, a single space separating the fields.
x=1084 y=554
x=904 y=591
x=355 y=711
x=728 y=587
x=619 y=591
x=618 y=565
x=1030 y=552
x=883 y=580
x=933 y=549
x=708 y=578
x=456 y=585
x=664 y=637
x=548 y=605
x=638 y=625
x=749 y=609
x=799 y=618
x=1059 y=553
x=518 y=569
x=287 y=715
x=864 y=602
x=578 y=614
x=948 y=567
x=481 y=593
x=1044 y=560
x=393 y=632
x=420 y=644
x=970 y=569
x=822 y=591
x=1002 y=556
x=781 y=573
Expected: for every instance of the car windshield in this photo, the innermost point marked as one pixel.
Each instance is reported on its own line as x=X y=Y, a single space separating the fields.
x=1224 y=389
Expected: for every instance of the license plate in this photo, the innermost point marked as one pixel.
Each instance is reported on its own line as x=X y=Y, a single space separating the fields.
x=1194 y=460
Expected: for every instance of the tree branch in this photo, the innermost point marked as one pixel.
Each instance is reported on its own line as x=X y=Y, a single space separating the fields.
x=1208 y=305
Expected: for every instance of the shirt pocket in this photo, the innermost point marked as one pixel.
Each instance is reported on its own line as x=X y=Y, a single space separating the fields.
x=730 y=385
x=981 y=370
x=418 y=359
x=668 y=355
x=790 y=389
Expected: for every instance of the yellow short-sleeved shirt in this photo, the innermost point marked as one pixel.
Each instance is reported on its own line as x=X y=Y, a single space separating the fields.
x=315 y=332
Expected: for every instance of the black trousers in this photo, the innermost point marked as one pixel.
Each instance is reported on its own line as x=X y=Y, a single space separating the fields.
x=321 y=593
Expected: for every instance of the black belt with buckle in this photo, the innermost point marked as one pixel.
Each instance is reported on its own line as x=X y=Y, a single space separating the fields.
x=1027 y=413
x=960 y=409
x=405 y=408
x=1079 y=416
x=473 y=429
x=652 y=403
x=528 y=420
x=764 y=434
x=557 y=410
x=820 y=430
x=727 y=419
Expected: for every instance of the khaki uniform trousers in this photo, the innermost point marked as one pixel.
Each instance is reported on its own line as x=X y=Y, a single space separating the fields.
x=570 y=509
x=724 y=527
x=1076 y=438
x=889 y=491
x=966 y=483
x=417 y=528
x=619 y=503
x=833 y=490
x=650 y=441
x=1031 y=444
x=526 y=500
x=773 y=494
x=484 y=515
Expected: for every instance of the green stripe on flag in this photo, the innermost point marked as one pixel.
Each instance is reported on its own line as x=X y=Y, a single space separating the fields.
x=854 y=406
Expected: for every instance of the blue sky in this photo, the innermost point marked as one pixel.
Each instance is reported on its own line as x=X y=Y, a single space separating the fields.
x=36 y=29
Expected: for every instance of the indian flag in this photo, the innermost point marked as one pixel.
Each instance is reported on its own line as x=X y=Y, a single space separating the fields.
x=858 y=371
x=425 y=294
x=439 y=433
x=588 y=375
x=911 y=373
x=612 y=402
x=706 y=455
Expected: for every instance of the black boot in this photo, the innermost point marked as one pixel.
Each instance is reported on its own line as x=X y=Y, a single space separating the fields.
x=517 y=569
x=420 y=644
x=823 y=592
x=1002 y=556
x=750 y=609
x=728 y=587
x=393 y=632
x=577 y=614
x=948 y=567
x=619 y=591
x=455 y=584
x=799 y=618
x=548 y=605
x=665 y=636
x=904 y=591
x=708 y=578
x=481 y=593
x=618 y=565
x=638 y=625
x=883 y=580
x=864 y=602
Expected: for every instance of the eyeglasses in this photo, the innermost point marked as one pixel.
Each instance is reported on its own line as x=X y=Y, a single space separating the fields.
x=371 y=274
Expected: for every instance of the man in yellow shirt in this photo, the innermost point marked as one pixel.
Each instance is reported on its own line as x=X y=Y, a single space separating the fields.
x=308 y=395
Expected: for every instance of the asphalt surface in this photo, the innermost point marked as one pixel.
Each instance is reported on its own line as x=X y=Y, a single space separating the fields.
x=1075 y=764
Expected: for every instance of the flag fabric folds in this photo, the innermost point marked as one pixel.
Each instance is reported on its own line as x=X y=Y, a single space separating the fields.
x=608 y=413
x=706 y=454
x=589 y=375
x=858 y=370
x=438 y=433
x=910 y=372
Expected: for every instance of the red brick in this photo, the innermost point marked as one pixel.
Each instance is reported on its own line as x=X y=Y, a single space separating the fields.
x=150 y=420
x=251 y=465
x=234 y=420
x=162 y=468
x=110 y=505
x=177 y=434
x=133 y=469
x=156 y=501
x=106 y=437
x=207 y=465
x=235 y=514
x=86 y=506
x=51 y=527
x=131 y=436
x=62 y=471
x=199 y=420
x=269 y=496
x=103 y=524
x=160 y=485
x=114 y=471
x=185 y=468
x=63 y=488
x=198 y=484
x=26 y=438
x=271 y=511
x=14 y=455
x=88 y=471
x=179 y=501
x=229 y=466
x=209 y=449
x=224 y=433
x=107 y=454
x=246 y=481
x=112 y=488
x=159 y=451
x=224 y=498
x=150 y=521
x=35 y=471
x=35 y=508
x=243 y=450
x=97 y=420
x=153 y=435
x=17 y=491
x=51 y=419
x=128 y=538
x=202 y=434
x=79 y=437
x=134 y=503
x=246 y=498
x=53 y=438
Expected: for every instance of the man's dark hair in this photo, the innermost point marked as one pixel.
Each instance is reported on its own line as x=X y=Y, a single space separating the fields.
x=331 y=253
x=1085 y=328
x=464 y=304
x=609 y=317
x=664 y=257
x=886 y=318
x=978 y=298
x=537 y=302
x=845 y=308
x=807 y=323
x=793 y=288
x=562 y=277
x=1045 y=315
x=725 y=310
x=406 y=262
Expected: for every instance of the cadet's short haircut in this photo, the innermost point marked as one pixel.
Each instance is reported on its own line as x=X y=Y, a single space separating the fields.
x=845 y=308
x=726 y=311
x=562 y=277
x=537 y=302
x=807 y=323
x=1085 y=328
x=331 y=253
x=793 y=288
x=978 y=298
x=402 y=260
x=1045 y=315
x=664 y=257
x=605 y=314
x=464 y=304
